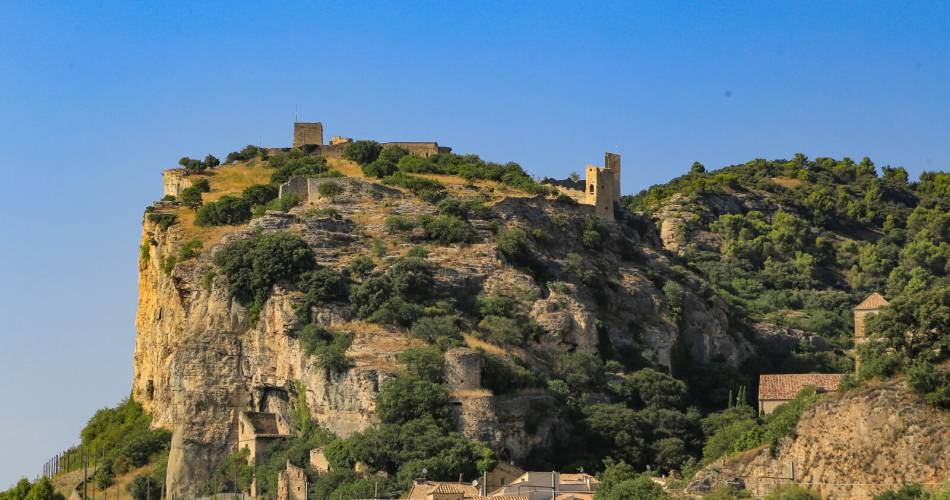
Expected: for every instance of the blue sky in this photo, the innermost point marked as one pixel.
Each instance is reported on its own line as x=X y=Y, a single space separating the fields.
x=97 y=98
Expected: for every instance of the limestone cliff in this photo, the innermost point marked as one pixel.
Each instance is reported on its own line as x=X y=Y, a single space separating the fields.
x=853 y=445
x=199 y=361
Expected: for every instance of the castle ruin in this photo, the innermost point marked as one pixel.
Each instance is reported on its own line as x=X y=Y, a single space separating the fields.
x=603 y=186
x=308 y=134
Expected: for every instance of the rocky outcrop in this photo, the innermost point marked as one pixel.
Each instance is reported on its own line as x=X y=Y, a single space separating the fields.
x=200 y=362
x=853 y=445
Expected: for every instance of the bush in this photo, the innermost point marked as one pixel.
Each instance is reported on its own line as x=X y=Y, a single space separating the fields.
x=403 y=399
x=320 y=286
x=191 y=164
x=502 y=376
x=249 y=151
x=162 y=220
x=202 y=185
x=190 y=197
x=295 y=163
x=426 y=363
x=362 y=152
x=226 y=211
x=378 y=169
x=392 y=154
x=284 y=203
x=420 y=186
x=440 y=330
x=502 y=330
x=328 y=347
x=518 y=249
x=398 y=224
x=330 y=189
x=260 y=194
x=447 y=229
x=144 y=487
x=252 y=266
x=361 y=266
x=190 y=250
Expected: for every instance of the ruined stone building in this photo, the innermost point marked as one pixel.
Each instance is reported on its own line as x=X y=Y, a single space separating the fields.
x=292 y=483
x=600 y=188
x=603 y=186
x=308 y=134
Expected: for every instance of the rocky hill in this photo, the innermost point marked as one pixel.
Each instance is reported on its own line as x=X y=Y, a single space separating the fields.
x=386 y=313
x=201 y=360
x=852 y=445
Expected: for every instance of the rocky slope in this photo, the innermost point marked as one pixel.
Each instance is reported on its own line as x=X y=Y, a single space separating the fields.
x=853 y=445
x=199 y=361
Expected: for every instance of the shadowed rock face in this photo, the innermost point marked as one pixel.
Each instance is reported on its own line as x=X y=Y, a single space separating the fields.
x=854 y=445
x=199 y=362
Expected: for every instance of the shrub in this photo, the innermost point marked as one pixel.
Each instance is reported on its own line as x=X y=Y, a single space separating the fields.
x=252 y=266
x=447 y=229
x=260 y=194
x=190 y=197
x=191 y=164
x=418 y=165
x=328 y=347
x=515 y=245
x=202 y=185
x=330 y=189
x=190 y=250
x=249 y=151
x=502 y=376
x=226 y=211
x=398 y=224
x=426 y=363
x=403 y=399
x=592 y=236
x=502 y=330
x=144 y=487
x=378 y=169
x=620 y=482
x=284 y=203
x=320 y=286
x=362 y=152
x=168 y=264
x=295 y=163
x=392 y=154
x=361 y=266
x=417 y=185
x=440 y=330
x=211 y=161
x=162 y=220
x=463 y=209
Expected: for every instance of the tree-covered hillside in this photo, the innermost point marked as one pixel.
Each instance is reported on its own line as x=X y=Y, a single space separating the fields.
x=798 y=243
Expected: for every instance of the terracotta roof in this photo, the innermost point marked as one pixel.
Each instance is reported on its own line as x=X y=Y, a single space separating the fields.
x=785 y=387
x=873 y=301
x=448 y=488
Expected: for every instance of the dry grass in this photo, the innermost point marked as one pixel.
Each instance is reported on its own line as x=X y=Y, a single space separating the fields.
x=471 y=393
x=476 y=343
x=787 y=182
x=232 y=179
x=118 y=490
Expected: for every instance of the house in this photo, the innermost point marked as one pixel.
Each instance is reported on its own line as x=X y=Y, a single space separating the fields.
x=548 y=485
x=777 y=389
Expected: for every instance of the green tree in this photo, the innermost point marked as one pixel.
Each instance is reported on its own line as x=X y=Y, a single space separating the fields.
x=144 y=487
x=43 y=489
x=792 y=492
x=362 y=152
x=424 y=363
x=403 y=399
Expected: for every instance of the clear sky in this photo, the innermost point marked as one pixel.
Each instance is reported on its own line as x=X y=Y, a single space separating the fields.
x=96 y=98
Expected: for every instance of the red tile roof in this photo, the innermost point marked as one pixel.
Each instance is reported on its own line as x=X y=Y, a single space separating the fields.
x=873 y=301
x=785 y=387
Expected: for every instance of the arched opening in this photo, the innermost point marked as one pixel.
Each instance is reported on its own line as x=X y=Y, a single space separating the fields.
x=591 y=188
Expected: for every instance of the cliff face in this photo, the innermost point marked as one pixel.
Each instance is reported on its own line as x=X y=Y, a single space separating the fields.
x=199 y=362
x=851 y=446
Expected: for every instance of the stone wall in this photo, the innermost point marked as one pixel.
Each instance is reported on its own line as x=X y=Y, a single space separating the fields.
x=298 y=186
x=423 y=149
x=291 y=483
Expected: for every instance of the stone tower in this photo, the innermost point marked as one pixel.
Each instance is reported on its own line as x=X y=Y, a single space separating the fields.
x=603 y=186
x=308 y=133
x=463 y=369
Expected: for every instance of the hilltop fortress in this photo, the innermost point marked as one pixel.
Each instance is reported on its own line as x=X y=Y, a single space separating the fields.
x=600 y=189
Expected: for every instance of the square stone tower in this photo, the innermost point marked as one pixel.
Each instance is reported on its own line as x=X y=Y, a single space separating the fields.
x=308 y=133
x=603 y=186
